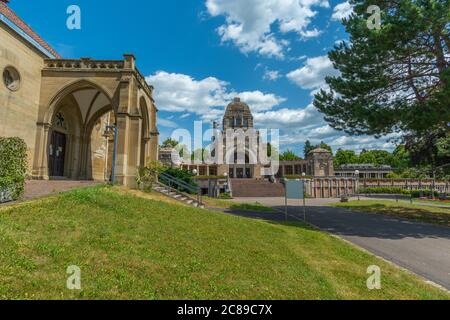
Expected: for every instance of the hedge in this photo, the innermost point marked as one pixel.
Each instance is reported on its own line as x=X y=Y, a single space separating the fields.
x=397 y=190
x=13 y=167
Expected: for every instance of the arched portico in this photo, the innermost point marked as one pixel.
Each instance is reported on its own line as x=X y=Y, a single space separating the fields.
x=74 y=136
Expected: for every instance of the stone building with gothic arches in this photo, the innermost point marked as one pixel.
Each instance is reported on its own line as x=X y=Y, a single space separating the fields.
x=66 y=110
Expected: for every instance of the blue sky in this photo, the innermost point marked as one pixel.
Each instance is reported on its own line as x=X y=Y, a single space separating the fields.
x=199 y=54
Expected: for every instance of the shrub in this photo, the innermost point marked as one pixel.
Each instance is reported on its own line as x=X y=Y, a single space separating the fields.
x=13 y=166
x=148 y=175
x=384 y=190
x=181 y=174
x=398 y=190
x=225 y=196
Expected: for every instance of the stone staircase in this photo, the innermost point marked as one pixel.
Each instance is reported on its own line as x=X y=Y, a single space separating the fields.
x=176 y=195
x=252 y=188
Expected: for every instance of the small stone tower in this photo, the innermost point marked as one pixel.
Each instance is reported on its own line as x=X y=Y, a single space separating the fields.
x=321 y=163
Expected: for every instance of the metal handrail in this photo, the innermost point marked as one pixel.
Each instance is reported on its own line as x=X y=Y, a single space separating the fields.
x=179 y=182
x=171 y=181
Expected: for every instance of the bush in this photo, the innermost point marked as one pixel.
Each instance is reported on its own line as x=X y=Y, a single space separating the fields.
x=384 y=190
x=225 y=196
x=181 y=174
x=148 y=175
x=398 y=190
x=13 y=166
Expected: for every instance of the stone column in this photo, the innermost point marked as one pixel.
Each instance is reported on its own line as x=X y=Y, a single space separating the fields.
x=40 y=161
x=122 y=149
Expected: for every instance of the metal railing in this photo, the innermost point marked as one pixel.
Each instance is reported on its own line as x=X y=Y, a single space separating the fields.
x=175 y=184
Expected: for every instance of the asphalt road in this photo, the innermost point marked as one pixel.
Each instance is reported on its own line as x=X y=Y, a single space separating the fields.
x=419 y=247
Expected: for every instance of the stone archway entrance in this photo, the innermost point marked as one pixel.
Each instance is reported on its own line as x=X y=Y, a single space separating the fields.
x=82 y=101
x=78 y=145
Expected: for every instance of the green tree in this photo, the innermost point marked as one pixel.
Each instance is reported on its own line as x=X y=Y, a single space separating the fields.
x=395 y=79
x=376 y=157
x=148 y=175
x=289 y=155
x=198 y=155
x=401 y=159
x=308 y=148
x=272 y=152
x=169 y=143
x=325 y=146
x=345 y=157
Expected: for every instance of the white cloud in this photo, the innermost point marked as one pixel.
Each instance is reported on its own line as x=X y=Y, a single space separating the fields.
x=311 y=33
x=181 y=93
x=287 y=118
x=271 y=75
x=312 y=75
x=255 y=25
x=320 y=131
x=167 y=123
x=207 y=98
x=342 y=11
x=258 y=100
x=358 y=143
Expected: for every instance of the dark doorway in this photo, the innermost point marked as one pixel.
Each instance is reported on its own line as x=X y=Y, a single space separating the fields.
x=248 y=173
x=57 y=154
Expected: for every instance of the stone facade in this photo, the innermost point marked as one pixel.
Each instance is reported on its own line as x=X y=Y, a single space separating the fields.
x=66 y=110
x=239 y=119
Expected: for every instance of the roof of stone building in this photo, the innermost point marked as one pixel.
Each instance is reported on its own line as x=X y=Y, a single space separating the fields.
x=19 y=23
x=237 y=106
x=320 y=150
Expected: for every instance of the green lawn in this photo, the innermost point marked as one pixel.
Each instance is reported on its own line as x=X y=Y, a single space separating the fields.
x=229 y=204
x=134 y=248
x=441 y=203
x=404 y=210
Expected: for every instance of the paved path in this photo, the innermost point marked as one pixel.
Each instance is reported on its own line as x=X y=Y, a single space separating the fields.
x=41 y=188
x=422 y=248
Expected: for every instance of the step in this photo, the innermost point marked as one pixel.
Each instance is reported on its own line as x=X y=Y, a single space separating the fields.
x=178 y=196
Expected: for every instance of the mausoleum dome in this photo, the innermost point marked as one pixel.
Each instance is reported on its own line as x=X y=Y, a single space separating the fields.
x=237 y=115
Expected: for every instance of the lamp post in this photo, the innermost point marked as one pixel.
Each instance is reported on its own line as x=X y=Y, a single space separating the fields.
x=113 y=169
x=357 y=183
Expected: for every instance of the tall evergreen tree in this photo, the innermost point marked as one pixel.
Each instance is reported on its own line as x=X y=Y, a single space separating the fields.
x=308 y=148
x=395 y=79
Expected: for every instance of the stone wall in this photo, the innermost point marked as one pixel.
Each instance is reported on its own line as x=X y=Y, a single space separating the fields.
x=331 y=187
x=19 y=109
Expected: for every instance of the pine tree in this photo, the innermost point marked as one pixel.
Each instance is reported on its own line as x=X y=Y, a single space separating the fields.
x=308 y=148
x=395 y=79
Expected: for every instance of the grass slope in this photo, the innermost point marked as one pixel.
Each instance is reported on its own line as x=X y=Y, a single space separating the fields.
x=134 y=248
x=419 y=213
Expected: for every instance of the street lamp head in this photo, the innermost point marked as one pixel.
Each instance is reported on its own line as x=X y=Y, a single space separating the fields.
x=195 y=172
x=225 y=175
x=303 y=174
x=357 y=173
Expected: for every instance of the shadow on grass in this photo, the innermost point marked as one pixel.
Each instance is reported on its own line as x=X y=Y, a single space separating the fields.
x=251 y=207
x=409 y=213
x=356 y=223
